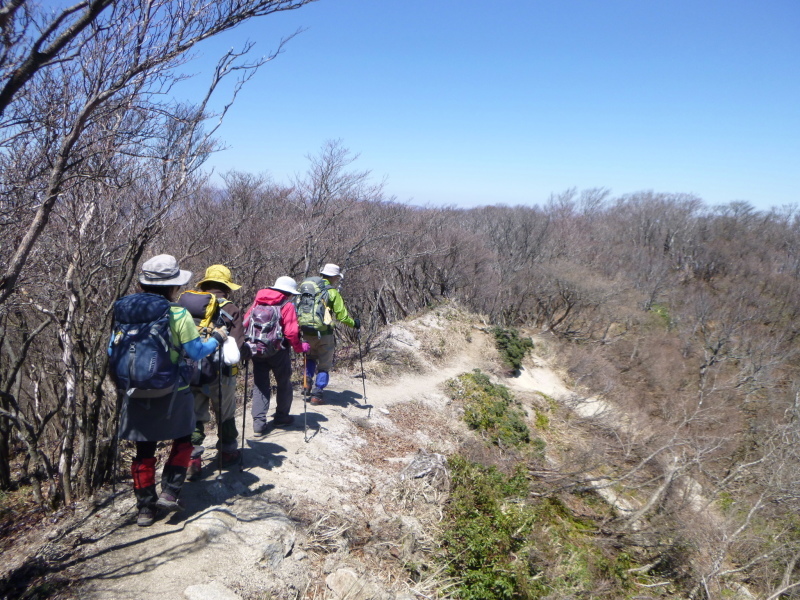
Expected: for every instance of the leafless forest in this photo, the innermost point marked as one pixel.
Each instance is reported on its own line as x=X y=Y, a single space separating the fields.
x=683 y=314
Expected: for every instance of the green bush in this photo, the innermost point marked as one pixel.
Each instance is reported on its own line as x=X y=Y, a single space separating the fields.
x=490 y=408
x=484 y=531
x=512 y=347
x=501 y=544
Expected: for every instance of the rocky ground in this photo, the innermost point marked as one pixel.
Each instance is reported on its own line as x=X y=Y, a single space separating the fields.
x=338 y=506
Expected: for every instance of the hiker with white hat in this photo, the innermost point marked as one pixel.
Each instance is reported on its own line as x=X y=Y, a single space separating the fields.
x=151 y=336
x=214 y=385
x=270 y=329
x=318 y=304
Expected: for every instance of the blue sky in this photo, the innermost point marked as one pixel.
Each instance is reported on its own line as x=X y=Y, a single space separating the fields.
x=471 y=103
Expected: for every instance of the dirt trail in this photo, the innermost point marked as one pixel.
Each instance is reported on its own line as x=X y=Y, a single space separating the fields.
x=241 y=534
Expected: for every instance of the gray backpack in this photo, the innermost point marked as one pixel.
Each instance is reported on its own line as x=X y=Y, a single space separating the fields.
x=264 y=333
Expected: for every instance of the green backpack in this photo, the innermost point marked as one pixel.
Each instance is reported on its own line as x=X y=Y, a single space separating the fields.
x=312 y=305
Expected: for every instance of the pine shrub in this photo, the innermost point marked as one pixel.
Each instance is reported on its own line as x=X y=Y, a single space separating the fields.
x=512 y=347
x=490 y=409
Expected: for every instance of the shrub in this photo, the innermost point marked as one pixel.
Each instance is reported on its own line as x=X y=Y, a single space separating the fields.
x=500 y=543
x=542 y=421
x=512 y=347
x=490 y=408
x=484 y=530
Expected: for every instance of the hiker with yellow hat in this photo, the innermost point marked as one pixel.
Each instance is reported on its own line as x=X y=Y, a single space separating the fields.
x=214 y=383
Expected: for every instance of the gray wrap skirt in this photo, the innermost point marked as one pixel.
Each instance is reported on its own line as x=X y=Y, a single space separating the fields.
x=154 y=420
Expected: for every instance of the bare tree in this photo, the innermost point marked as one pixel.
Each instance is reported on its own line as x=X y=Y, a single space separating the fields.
x=128 y=58
x=91 y=139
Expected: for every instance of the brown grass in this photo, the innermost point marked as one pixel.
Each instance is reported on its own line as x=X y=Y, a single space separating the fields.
x=409 y=418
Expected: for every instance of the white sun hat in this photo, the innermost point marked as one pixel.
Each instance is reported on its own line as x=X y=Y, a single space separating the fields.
x=331 y=270
x=163 y=270
x=285 y=284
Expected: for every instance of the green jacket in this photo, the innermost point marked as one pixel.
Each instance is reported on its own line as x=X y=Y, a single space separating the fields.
x=337 y=307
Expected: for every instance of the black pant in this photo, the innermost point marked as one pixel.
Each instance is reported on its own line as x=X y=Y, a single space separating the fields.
x=280 y=364
x=148 y=449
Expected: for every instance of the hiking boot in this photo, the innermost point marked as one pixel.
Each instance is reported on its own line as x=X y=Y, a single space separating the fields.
x=169 y=503
x=146 y=516
x=195 y=470
x=283 y=420
x=260 y=428
x=229 y=458
x=316 y=400
x=144 y=489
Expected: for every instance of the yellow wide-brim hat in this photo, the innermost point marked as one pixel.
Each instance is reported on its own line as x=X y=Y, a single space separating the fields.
x=219 y=274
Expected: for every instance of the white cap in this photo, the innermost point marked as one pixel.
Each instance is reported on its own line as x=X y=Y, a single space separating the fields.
x=331 y=270
x=285 y=284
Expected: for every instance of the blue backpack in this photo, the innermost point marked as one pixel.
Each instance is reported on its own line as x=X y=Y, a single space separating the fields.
x=140 y=348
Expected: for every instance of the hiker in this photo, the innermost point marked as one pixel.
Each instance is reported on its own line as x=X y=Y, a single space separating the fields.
x=215 y=383
x=149 y=411
x=318 y=303
x=270 y=328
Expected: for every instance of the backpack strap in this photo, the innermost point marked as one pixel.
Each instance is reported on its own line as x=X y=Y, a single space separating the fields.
x=280 y=306
x=181 y=355
x=223 y=313
x=181 y=358
x=178 y=348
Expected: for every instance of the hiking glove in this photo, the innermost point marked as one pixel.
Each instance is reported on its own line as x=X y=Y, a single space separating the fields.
x=245 y=351
x=357 y=323
x=306 y=347
x=220 y=334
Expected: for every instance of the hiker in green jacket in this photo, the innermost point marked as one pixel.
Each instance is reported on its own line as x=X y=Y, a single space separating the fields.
x=318 y=304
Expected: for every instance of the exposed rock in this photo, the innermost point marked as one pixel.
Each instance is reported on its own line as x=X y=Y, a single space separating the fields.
x=212 y=524
x=210 y=591
x=281 y=535
x=222 y=491
x=346 y=583
x=431 y=465
x=411 y=532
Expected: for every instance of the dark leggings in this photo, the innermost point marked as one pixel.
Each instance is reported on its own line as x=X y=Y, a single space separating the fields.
x=148 y=449
x=280 y=364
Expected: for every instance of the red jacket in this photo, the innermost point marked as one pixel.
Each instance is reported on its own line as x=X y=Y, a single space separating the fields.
x=291 y=330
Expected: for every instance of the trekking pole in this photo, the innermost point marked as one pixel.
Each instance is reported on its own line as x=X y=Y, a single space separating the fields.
x=115 y=442
x=219 y=415
x=305 y=395
x=244 y=413
x=363 y=377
